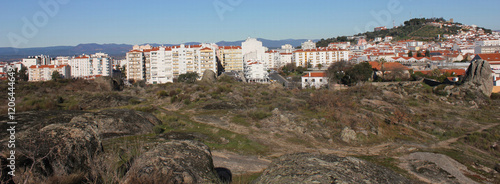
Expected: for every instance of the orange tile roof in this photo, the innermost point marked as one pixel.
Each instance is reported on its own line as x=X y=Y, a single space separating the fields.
x=457 y=72
x=48 y=66
x=319 y=50
x=490 y=57
x=229 y=47
x=82 y=57
x=388 y=66
x=315 y=74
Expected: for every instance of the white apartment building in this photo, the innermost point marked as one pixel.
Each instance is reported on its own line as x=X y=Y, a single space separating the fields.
x=323 y=56
x=61 y=60
x=308 y=45
x=487 y=43
x=168 y=63
x=286 y=58
x=231 y=58
x=252 y=49
x=256 y=72
x=36 y=60
x=44 y=72
x=85 y=66
x=161 y=65
x=487 y=49
x=272 y=59
x=136 y=68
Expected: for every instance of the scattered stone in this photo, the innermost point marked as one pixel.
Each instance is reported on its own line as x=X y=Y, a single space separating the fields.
x=348 y=135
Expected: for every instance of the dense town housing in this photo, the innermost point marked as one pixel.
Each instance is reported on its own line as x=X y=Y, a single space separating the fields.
x=254 y=62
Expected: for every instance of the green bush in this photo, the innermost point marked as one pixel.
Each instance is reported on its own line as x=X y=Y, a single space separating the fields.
x=259 y=115
x=495 y=96
x=162 y=93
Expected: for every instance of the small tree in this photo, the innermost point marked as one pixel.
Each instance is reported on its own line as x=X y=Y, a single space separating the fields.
x=189 y=77
x=359 y=73
x=336 y=71
x=419 y=54
x=319 y=66
x=410 y=54
x=123 y=71
x=427 y=53
x=56 y=75
x=23 y=73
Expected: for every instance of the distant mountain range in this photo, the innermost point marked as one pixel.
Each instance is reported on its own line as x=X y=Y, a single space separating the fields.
x=115 y=50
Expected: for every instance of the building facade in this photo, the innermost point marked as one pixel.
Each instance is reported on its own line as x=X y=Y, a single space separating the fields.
x=314 y=79
x=231 y=58
x=44 y=72
x=86 y=66
x=319 y=57
x=167 y=63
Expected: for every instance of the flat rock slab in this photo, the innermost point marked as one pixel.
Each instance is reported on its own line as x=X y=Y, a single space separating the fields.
x=436 y=168
x=239 y=164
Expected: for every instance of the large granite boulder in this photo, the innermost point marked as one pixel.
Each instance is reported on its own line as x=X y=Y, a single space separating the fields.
x=57 y=151
x=109 y=84
x=120 y=122
x=319 y=168
x=479 y=76
x=174 y=162
x=209 y=76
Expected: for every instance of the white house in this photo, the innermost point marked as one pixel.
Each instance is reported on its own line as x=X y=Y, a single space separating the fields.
x=256 y=71
x=314 y=79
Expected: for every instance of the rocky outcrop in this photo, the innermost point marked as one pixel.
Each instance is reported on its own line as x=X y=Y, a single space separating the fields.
x=110 y=84
x=56 y=145
x=479 y=77
x=58 y=150
x=120 y=122
x=174 y=162
x=209 y=76
x=317 y=168
x=436 y=168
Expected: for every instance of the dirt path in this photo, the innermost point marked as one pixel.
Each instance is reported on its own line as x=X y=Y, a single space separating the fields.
x=446 y=143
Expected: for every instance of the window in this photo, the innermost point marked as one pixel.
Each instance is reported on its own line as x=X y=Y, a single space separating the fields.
x=306 y=80
x=313 y=80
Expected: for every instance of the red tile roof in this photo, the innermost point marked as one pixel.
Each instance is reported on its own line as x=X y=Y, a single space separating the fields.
x=48 y=66
x=490 y=57
x=389 y=66
x=82 y=57
x=457 y=72
x=315 y=74
x=319 y=50
x=229 y=47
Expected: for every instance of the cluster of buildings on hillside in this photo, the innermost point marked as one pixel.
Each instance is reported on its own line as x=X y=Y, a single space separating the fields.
x=41 y=68
x=252 y=61
x=163 y=64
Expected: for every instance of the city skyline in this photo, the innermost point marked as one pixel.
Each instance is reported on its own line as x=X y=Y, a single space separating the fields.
x=66 y=22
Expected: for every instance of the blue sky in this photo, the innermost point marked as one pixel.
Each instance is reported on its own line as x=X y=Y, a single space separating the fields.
x=166 y=21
